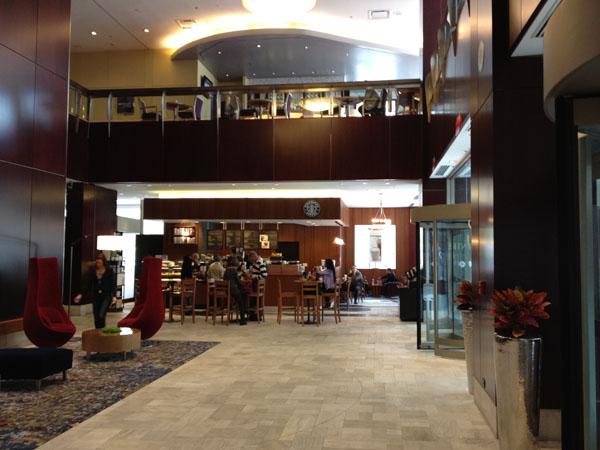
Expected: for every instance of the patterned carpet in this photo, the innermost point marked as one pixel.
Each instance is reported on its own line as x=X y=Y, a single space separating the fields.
x=28 y=418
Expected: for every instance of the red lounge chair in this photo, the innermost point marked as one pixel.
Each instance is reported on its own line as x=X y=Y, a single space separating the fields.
x=148 y=313
x=45 y=321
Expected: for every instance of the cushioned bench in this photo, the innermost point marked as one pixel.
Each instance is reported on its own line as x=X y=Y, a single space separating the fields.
x=34 y=363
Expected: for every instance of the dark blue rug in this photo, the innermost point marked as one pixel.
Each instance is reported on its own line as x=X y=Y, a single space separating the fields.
x=29 y=418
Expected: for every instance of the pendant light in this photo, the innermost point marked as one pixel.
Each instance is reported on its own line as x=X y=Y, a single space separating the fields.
x=380 y=218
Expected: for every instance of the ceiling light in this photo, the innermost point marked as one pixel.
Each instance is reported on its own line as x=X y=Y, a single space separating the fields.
x=227 y=75
x=380 y=218
x=306 y=47
x=364 y=182
x=339 y=241
x=453 y=161
x=387 y=182
x=93 y=33
x=258 y=45
x=347 y=54
x=146 y=30
x=219 y=52
x=186 y=24
x=376 y=14
x=313 y=72
x=288 y=8
x=293 y=73
x=273 y=73
x=253 y=74
x=333 y=71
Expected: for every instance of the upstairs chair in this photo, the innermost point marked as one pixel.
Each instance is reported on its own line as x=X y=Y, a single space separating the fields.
x=280 y=303
x=221 y=298
x=245 y=112
x=148 y=313
x=310 y=299
x=256 y=301
x=288 y=105
x=195 y=113
x=45 y=321
x=200 y=286
x=187 y=297
x=328 y=297
x=148 y=112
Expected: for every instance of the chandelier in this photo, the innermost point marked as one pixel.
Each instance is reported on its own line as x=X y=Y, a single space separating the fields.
x=380 y=218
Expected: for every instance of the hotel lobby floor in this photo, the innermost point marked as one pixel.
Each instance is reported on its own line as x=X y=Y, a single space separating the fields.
x=360 y=384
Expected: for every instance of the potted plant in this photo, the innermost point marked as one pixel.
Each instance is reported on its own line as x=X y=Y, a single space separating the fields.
x=465 y=300
x=518 y=357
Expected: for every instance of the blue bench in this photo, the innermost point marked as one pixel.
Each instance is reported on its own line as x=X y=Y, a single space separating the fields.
x=34 y=363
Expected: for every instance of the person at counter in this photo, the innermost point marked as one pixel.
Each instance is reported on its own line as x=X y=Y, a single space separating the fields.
x=388 y=279
x=236 y=287
x=258 y=268
x=187 y=268
x=216 y=269
x=356 y=282
x=328 y=276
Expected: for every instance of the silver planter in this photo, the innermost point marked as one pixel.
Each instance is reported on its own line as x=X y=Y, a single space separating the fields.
x=467 y=321
x=518 y=363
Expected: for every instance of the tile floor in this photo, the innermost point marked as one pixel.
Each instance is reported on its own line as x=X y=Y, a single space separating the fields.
x=360 y=384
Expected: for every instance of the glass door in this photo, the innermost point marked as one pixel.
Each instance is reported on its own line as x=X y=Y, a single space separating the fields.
x=426 y=327
x=589 y=207
x=453 y=264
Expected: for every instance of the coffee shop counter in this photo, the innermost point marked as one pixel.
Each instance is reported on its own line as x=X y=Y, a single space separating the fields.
x=287 y=274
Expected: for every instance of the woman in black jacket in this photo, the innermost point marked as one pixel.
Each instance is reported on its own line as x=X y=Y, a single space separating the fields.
x=100 y=285
x=236 y=288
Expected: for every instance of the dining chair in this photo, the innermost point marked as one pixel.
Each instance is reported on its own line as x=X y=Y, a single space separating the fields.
x=221 y=299
x=328 y=297
x=194 y=113
x=347 y=295
x=280 y=303
x=185 y=291
x=200 y=308
x=210 y=300
x=310 y=299
x=148 y=112
x=258 y=306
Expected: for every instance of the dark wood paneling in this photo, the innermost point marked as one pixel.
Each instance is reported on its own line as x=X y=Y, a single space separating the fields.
x=100 y=165
x=481 y=31
x=135 y=152
x=18 y=26
x=367 y=140
x=406 y=145
x=50 y=123
x=190 y=151
x=302 y=149
x=53 y=36
x=246 y=150
x=17 y=87
x=47 y=216
x=15 y=201
x=11 y=326
x=482 y=223
x=77 y=150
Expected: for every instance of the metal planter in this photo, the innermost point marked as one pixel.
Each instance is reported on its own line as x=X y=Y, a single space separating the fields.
x=518 y=364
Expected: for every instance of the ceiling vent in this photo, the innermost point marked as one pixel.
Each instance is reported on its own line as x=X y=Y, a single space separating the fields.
x=441 y=171
x=378 y=14
x=186 y=24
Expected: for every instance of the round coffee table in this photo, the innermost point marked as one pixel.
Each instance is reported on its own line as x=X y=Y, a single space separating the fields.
x=96 y=341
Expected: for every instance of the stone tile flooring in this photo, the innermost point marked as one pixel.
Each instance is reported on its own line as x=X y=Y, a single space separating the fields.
x=360 y=384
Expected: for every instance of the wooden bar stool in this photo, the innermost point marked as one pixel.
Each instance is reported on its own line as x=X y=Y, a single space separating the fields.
x=327 y=297
x=221 y=301
x=186 y=289
x=281 y=307
x=259 y=304
x=310 y=298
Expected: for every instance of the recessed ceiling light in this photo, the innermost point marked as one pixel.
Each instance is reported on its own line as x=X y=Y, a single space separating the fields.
x=258 y=45
x=278 y=7
x=219 y=52
x=146 y=30
x=347 y=54
x=149 y=185
x=233 y=184
x=273 y=73
x=306 y=47
x=227 y=75
x=364 y=182
x=313 y=72
x=453 y=161
x=120 y=193
x=253 y=74
x=333 y=71
x=93 y=33
x=399 y=92
x=293 y=73
x=387 y=182
x=128 y=185
x=255 y=184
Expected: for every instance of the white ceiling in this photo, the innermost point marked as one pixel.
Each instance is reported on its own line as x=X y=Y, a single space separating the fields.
x=355 y=194
x=394 y=42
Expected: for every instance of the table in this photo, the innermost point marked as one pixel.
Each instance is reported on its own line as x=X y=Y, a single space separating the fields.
x=260 y=103
x=347 y=102
x=376 y=288
x=175 y=106
x=96 y=341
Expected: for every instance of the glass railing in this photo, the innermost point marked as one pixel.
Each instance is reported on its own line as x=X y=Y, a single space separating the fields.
x=382 y=98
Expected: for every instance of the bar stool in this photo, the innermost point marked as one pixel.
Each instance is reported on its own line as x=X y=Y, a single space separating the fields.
x=335 y=296
x=310 y=298
x=187 y=289
x=221 y=301
x=281 y=307
x=259 y=305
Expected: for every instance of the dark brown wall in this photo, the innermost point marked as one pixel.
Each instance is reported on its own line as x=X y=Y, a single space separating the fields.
x=34 y=50
x=250 y=150
x=91 y=211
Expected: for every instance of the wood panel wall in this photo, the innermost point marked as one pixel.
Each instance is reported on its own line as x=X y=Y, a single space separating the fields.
x=34 y=50
x=254 y=150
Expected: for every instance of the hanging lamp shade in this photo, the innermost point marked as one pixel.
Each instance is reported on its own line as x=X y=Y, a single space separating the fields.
x=380 y=218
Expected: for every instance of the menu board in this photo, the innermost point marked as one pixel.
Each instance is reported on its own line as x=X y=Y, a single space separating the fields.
x=272 y=234
x=215 y=239
x=233 y=238
x=251 y=239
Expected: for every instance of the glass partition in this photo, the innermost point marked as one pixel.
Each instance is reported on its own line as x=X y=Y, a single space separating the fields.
x=426 y=326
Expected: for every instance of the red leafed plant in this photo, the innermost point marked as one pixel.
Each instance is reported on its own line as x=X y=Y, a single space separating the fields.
x=465 y=296
x=516 y=309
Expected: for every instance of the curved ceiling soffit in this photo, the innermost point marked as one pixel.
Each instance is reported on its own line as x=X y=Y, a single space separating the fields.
x=191 y=49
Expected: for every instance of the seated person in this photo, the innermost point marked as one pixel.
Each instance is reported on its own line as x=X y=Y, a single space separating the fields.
x=236 y=288
x=216 y=269
x=229 y=109
x=355 y=283
x=373 y=105
x=328 y=284
x=388 y=279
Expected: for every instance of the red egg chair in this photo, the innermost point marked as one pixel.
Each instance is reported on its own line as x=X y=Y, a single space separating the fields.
x=45 y=321
x=148 y=313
